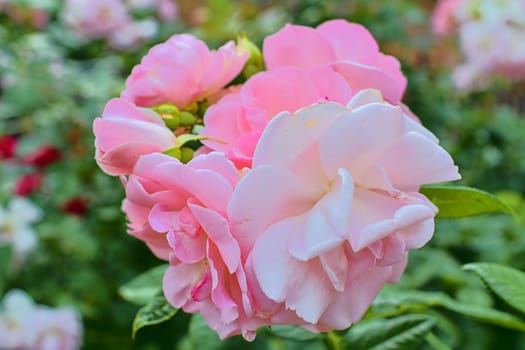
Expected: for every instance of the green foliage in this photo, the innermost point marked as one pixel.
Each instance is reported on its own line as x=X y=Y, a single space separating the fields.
x=156 y=311
x=294 y=333
x=200 y=336
x=508 y=283
x=393 y=302
x=461 y=201
x=5 y=260
x=400 y=333
x=142 y=288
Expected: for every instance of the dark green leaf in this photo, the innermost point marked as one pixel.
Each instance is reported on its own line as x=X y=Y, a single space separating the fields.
x=141 y=289
x=394 y=303
x=295 y=333
x=401 y=333
x=156 y=311
x=200 y=336
x=5 y=265
x=459 y=201
x=507 y=282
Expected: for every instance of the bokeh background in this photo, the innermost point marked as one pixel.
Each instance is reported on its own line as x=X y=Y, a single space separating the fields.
x=57 y=72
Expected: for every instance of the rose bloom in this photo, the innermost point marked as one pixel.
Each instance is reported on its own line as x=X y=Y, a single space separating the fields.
x=182 y=71
x=348 y=48
x=179 y=210
x=234 y=125
x=8 y=145
x=43 y=156
x=337 y=207
x=125 y=132
x=28 y=183
x=25 y=325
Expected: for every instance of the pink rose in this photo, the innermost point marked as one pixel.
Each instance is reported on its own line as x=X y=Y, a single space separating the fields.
x=236 y=122
x=181 y=71
x=348 y=48
x=337 y=206
x=179 y=210
x=125 y=132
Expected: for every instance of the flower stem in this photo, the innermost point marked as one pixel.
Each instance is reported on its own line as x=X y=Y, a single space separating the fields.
x=333 y=341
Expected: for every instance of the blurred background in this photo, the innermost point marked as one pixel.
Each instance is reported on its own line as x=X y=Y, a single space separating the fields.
x=61 y=61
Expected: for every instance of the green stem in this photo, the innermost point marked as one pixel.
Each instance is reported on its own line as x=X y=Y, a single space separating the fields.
x=333 y=341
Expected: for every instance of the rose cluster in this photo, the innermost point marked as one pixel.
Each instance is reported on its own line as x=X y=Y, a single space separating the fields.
x=491 y=39
x=302 y=200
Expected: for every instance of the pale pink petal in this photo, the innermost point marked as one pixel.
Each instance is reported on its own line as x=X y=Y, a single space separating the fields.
x=296 y=46
x=220 y=289
x=355 y=140
x=295 y=133
x=335 y=265
x=179 y=280
x=277 y=91
x=326 y=224
x=218 y=230
x=218 y=163
x=249 y=218
x=375 y=216
x=120 y=160
x=207 y=186
x=283 y=278
x=363 y=76
x=188 y=249
x=415 y=160
x=348 y=307
x=330 y=85
x=350 y=41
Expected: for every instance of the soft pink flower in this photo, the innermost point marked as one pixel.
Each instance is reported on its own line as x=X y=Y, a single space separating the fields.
x=26 y=325
x=181 y=71
x=168 y=10
x=130 y=34
x=331 y=206
x=125 y=132
x=348 y=48
x=482 y=44
x=95 y=19
x=236 y=122
x=179 y=210
x=443 y=16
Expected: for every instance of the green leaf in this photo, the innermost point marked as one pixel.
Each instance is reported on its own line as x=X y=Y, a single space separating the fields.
x=156 y=311
x=508 y=283
x=398 y=302
x=460 y=201
x=294 y=333
x=201 y=336
x=405 y=332
x=141 y=289
x=435 y=343
x=5 y=265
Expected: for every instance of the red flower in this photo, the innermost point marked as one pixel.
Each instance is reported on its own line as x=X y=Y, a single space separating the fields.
x=75 y=206
x=8 y=145
x=42 y=157
x=28 y=184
